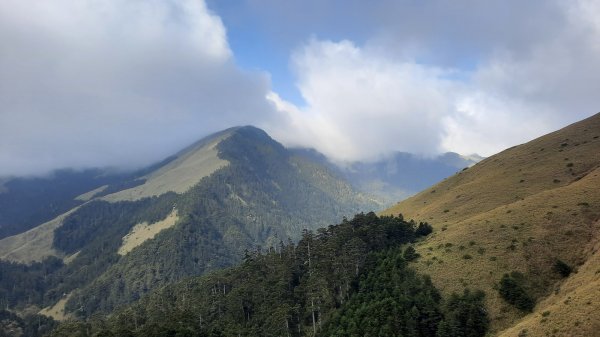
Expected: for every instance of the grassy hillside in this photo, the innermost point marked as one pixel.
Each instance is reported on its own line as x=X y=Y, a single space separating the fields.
x=521 y=210
x=30 y=201
x=34 y=244
x=180 y=174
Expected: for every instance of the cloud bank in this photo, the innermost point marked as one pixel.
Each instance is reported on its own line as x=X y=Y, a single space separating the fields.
x=115 y=83
x=125 y=83
x=393 y=94
x=361 y=105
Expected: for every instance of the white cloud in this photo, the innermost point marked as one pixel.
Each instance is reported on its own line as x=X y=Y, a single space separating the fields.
x=362 y=105
x=123 y=83
x=364 y=101
x=109 y=82
x=517 y=95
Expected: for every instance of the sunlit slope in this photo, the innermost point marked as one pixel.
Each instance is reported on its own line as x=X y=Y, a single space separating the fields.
x=33 y=245
x=187 y=168
x=520 y=210
x=191 y=165
x=571 y=311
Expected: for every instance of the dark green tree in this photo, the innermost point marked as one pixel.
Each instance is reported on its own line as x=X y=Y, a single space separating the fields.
x=465 y=316
x=410 y=254
x=513 y=290
x=562 y=268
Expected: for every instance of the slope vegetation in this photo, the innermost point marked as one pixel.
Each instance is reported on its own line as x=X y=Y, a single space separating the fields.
x=191 y=165
x=350 y=279
x=145 y=231
x=195 y=212
x=27 y=202
x=33 y=245
x=523 y=210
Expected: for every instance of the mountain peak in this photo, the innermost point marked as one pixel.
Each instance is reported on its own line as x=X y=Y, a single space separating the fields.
x=185 y=169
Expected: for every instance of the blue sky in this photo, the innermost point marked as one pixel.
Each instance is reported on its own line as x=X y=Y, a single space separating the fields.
x=256 y=49
x=262 y=41
x=125 y=83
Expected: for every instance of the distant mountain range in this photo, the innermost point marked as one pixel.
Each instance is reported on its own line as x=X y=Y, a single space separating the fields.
x=401 y=175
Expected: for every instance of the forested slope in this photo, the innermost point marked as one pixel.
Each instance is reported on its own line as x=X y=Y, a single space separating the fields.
x=264 y=195
x=351 y=279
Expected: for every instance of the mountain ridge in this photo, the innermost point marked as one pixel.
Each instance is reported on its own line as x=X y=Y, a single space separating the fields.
x=521 y=210
x=264 y=195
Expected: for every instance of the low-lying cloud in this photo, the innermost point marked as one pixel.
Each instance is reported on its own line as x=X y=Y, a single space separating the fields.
x=125 y=83
x=115 y=83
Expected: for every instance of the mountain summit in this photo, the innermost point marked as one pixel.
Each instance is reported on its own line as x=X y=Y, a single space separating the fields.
x=197 y=211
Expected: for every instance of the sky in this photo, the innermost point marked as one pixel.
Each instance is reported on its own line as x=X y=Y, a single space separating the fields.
x=99 y=83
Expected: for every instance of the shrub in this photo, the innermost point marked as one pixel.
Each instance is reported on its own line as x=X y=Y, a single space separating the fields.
x=512 y=289
x=424 y=229
x=410 y=254
x=465 y=316
x=562 y=268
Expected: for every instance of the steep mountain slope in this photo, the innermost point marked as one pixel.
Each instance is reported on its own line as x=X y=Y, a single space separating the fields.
x=524 y=210
x=35 y=244
x=198 y=211
x=185 y=170
x=27 y=202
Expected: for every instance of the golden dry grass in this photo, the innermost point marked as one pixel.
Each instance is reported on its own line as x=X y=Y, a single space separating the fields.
x=57 y=311
x=191 y=165
x=33 y=245
x=70 y=258
x=572 y=310
x=519 y=210
x=142 y=232
x=180 y=175
x=91 y=194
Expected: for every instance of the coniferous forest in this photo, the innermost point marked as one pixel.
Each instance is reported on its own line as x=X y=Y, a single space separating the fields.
x=351 y=279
